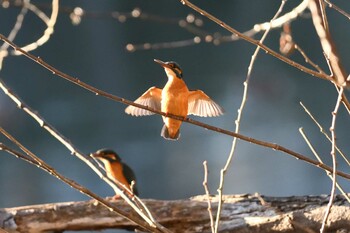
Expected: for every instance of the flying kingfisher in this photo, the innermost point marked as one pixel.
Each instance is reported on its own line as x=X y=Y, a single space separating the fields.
x=175 y=98
x=116 y=170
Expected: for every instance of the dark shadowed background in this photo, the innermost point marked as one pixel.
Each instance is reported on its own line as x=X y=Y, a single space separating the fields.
x=94 y=51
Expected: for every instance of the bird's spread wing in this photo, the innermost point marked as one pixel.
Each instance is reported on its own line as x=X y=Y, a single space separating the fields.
x=200 y=104
x=150 y=98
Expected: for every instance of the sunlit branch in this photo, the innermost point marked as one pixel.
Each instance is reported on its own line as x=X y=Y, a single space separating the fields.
x=12 y=35
x=207 y=193
x=185 y=119
x=324 y=132
x=115 y=185
x=217 y=39
x=334 y=160
x=328 y=46
x=262 y=46
x=33 y=159
x=313 y=150
x=50 y=23
x=239 y=116
x=335 y=7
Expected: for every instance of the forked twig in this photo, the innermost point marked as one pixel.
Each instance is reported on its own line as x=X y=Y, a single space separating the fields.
x=324 y=132
x=345 y=101
x=307 y=59
x=313 y=150
x=17 y=154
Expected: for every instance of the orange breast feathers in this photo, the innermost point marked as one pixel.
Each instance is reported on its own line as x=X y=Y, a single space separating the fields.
x=174 y=101
x=115 y=173
x=175 y=98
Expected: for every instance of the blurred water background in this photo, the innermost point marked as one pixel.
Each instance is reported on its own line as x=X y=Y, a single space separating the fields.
x=94 y=51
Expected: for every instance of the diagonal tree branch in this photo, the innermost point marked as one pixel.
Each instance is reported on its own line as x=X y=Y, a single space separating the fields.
x=256 y=42
x=319 y=19
x=240 y=112
x=107 y=95
x=337 y=8
x=115 y=185
x=334 y=160
x=33 y=159
x=12 y=35
x=50 y=23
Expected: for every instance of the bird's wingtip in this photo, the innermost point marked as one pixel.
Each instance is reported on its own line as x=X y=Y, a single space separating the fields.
x=128 y=110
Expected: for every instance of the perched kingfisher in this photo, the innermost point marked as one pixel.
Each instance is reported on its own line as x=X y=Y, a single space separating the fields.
x=116 y=170
x=175 y=98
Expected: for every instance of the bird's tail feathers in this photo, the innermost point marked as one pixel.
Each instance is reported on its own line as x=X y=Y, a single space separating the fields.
x=165 y=134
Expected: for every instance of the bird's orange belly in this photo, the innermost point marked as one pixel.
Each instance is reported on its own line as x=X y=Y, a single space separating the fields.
x=177 y=105
x=116 y=173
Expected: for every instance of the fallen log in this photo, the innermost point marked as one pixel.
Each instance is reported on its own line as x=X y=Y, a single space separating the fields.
x=240 y=213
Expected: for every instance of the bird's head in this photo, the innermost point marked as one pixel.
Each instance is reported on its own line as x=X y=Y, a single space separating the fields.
x=106 y=155
x=171 y=68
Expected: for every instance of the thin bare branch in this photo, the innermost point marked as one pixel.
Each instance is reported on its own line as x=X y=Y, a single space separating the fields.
x=14 y=32
x=190 y=23
x=334 y=160
x=286 y=18
x=344 y=99
x=96 y=91
x=346 y=102
x=50 y=23
x=335 y=7
x=207 y=193
x=307 y=59
x=115 y=185
x=328 y=46
x=216 y=38
x=255 y=42
x=313 y=150
x=324 y=132
x=17 y=154
x=239 y=116
x=324 y=15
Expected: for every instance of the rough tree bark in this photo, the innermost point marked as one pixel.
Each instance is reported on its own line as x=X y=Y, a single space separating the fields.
x=241 y=213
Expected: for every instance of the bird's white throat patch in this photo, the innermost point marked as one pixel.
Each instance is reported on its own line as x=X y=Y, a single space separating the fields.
x=171 y=74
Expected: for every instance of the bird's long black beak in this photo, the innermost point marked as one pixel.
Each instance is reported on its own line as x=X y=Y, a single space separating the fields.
x=163 y=64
